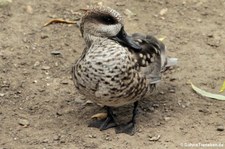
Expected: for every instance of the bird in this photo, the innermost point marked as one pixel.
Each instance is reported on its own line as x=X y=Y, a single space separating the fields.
x=115 y=68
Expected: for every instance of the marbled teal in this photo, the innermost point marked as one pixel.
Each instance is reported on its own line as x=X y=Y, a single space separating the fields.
x=116 y=69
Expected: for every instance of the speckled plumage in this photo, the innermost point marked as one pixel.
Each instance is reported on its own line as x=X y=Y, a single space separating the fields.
x=110 y=73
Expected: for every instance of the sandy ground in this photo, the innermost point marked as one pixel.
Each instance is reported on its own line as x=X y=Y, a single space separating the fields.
x=40 y=108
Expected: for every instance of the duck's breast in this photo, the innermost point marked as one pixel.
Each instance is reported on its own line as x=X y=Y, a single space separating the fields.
x=108 y=75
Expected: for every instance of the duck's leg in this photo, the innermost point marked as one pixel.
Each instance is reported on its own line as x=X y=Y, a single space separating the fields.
x=129 y=127
x=107 y=123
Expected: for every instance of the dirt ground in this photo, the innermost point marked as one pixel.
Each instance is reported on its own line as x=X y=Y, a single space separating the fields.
x=40 y=108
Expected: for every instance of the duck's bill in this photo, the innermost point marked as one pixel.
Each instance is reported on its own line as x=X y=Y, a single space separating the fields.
x=127 y=40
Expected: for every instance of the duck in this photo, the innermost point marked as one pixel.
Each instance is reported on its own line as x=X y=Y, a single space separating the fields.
x=116 y=69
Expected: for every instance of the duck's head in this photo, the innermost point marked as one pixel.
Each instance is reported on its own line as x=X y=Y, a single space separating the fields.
x=105 y=22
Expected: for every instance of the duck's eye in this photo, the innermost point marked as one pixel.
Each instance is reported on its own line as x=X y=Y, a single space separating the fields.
x=108 y=20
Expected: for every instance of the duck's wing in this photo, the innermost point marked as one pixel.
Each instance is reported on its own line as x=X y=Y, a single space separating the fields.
x=152 y=59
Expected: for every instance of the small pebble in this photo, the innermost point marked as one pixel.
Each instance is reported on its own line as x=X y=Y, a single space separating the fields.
x=56 y=53
x=63 y=141
x=199 y=20
x=100 y=3
x=108 y=139
x=183 y=106
x=77 y=100
x=129 y=13
x=171 y=90
x=56 y=137
x=45 y=141
x=172 y=79
x=88 y=102
x=92 y=136
x=220 y=128
x=64 y=82
x=23 y=122
x=204 y=110
x=41 y=89
x=167 y=118
x=161 y=92
x=45 y=67
x=120 y=4
x=56 y=64
x=59 y=113
x=163 y=11
x=140 y=130
x=154 y=138
x=44 y=36
x=29 y=9
x=37 y=63
x=155 y=105
x=151 y=109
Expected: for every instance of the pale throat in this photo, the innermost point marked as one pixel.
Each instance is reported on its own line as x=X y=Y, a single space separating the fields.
x=90 y=39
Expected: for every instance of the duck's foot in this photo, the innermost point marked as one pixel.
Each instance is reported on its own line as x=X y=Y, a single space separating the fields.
x=104 y=124
x=129 y=128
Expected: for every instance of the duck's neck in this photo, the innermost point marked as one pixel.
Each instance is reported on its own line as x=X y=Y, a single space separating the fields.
x=90 y=39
